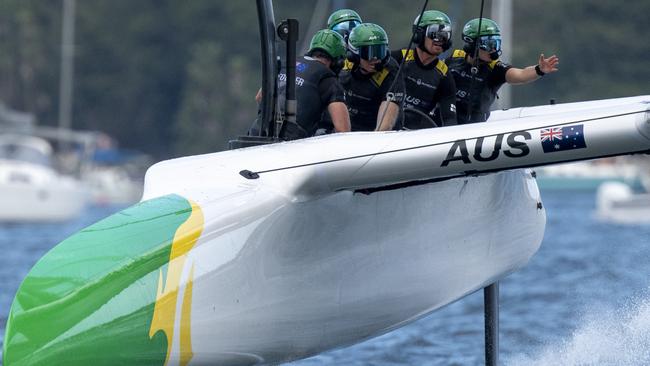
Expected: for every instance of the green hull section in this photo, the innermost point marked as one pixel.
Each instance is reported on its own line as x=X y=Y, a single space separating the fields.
x=95 y=292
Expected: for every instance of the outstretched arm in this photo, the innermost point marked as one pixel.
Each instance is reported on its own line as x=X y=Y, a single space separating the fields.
x=528 y=74
x=340 y=116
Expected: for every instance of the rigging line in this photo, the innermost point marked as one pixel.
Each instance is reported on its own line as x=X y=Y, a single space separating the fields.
x=475 y=66
x=253 y=175
x=399 y=68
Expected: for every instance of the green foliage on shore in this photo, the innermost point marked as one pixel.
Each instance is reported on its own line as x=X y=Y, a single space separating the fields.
x=174 y=77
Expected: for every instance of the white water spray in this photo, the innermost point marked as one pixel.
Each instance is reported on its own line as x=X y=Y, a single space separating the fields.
x=620 y=337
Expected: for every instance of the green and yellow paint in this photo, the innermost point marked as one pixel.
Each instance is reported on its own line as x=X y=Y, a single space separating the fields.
x=164 y=314
x=108 y=295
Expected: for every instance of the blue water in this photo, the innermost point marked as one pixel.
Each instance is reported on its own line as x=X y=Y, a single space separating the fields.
x=21 y=245
x=584 y=298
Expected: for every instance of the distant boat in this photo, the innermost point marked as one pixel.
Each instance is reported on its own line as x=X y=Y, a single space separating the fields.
x=115 y=176
x=30 y=188
x=112 y=185
x=618 y=203
x=589 y=175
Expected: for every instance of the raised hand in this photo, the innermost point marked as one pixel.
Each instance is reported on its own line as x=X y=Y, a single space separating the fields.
x=548 y=65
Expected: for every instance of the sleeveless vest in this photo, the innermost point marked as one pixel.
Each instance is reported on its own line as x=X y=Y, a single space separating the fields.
x=309 y=73
x=480 y=97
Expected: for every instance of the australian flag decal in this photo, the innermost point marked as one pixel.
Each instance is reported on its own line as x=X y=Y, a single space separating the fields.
x=301 y=67
x=562 y=138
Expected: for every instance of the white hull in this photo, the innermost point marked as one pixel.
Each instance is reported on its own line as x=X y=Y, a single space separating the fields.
x=278 y=252
x=617 y=203
x=30 y=189
x=292 y=279
x=112 y=186
x=293 y=260
x=27 y=203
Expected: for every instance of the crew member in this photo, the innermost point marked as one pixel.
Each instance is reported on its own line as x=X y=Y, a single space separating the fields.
x=343 y=22
x=372 y=90
x=430 y=94
x=477 y=91
x=317 y=87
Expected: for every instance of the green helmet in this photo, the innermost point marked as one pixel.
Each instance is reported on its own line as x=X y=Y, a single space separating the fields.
x=343 y=21
x=368 y=34
x=488 y=28
x=329 y=42
x=368 y=41
x=342 y=15
x=432 y=17
x=489 y=37
x=435 y=25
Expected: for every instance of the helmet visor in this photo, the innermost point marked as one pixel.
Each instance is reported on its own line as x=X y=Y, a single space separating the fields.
x=344 y=28
x=439 y=32
x=375 y=51
x=489 y=43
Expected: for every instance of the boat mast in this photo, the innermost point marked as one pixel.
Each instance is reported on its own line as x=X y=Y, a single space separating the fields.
x=502 y=14
x=67 y=66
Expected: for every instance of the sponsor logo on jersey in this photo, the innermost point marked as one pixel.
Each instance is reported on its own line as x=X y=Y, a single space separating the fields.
x=352 y=94
x=420 y=82
x=467 y=75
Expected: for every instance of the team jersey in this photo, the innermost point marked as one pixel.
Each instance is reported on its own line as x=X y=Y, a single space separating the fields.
x=481 y=92
x=426 y=87
x=364 y=93
x=316 y=87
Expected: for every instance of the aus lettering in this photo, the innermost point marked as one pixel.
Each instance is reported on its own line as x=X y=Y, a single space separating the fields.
x=413 y=100
x=515 y=147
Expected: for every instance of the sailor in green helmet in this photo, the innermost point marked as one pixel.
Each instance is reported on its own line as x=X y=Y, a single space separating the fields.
x=430 y=96
x=317 y=88
x=476 y=92
x=343 y=22
x=373 y=94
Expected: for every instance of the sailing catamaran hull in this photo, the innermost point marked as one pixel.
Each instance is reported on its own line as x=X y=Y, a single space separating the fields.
x=278 y=252
x=270 y=279
x=305 y=277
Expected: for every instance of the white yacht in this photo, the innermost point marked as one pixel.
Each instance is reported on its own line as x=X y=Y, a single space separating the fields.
x=30 y=188
x=112 y=185
x=620 y=203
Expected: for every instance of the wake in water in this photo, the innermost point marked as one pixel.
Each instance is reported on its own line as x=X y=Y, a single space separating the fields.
x=620 y=338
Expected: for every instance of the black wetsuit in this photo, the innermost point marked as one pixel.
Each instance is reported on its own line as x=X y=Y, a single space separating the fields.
x=316 y=87
x=490 y=77
x=427 y=87
x=364 y=93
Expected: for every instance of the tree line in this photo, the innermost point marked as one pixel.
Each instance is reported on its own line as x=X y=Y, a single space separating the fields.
x=173 y=78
